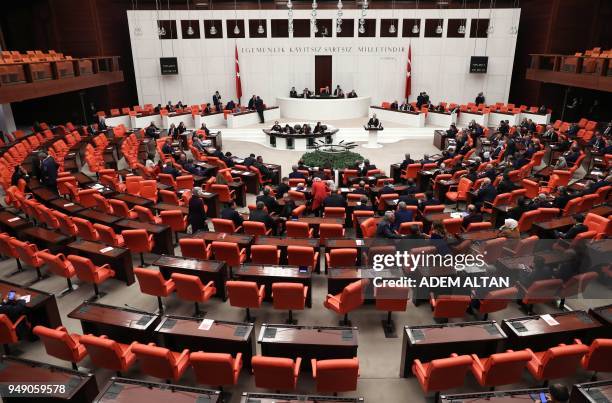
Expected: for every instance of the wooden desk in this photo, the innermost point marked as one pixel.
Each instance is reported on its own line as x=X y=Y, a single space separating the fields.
x=12 y=223
x=212 y=204
x=168 y=207
x=206 y=270
x=209 y=236
x=65 y=206
x=533 y=332
x=122 y=390
x=255 y=397
x=338 y=278
x=430 y=219
x=44 y=238
x=484 y=235
x=603 y=314
x=133 y=200
x=80 y=387
x=546 y=229
x=96 y=216
x=283 y=243
x=498 y=396
x=431 y=342
x=42 y=308
x=44 y=194
x=239 y=189
x=270 y=274
x=162 y=234
x=124 y=325
x=83 y=179
x=179 y=332
x=119 y=259
x=308 y=342
x=512 y=266
x=592 y=392
x=249 y=178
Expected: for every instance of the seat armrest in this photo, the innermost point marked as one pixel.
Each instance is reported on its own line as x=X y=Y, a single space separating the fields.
x=262 y=290
x=61 y=328
x=577 y=341
x=313 y=363
x=296 y=367
x=19 y=320
x=184 y=356
x=510 y=251
x=476 y=361
x=305 y=291
x=419 y=367
x=238 y=362
x=329 y=296
x=210 y=284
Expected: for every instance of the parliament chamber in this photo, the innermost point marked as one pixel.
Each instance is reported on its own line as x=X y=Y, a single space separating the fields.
x=251 y=202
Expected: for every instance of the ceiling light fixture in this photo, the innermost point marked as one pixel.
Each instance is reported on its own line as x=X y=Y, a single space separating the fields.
x=415 y=27
x=290 y=16
x=339 y=17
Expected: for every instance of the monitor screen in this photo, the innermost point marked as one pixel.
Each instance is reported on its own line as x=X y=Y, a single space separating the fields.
x=478 y=64
x=169 y=65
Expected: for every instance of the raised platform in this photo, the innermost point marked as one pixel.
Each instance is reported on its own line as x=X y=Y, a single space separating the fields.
x=323 y=109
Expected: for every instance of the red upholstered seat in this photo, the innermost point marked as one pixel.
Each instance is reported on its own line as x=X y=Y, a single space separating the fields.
x=245 y=294
x=222 y=225
x=497 y=300
x=61 y=344
x=191 y=288
x=229 y=252
x=276 y=373
x=138 y=241
x=216 y=369
x=8 y=331
x=556 y=362
x=336 y=375
x=442 y=374
x=107 y=353
x=265 y=254
x=88 y=272
x=195 y=248
x=449 y=306
x=368 y=228
x=598 y=357
x=153 y=283
x=341 y=257
x=160 y=362
x=296 y=229
x=289 y=296
x=348 y=300
x=302 y=256
x=108 y=236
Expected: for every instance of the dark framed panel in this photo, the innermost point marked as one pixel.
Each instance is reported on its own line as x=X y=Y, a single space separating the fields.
x=370 y=28
x=254 y=26
x=407 y=28
x=479 y=27
x=301 y=28
x=195 y=29
x=324 y=29
x=348 y=29
x=218 y=26
x=169 y=29
x=279 y=28
x=453 y=28
x=430 y=28
x=385 y=24
x=231 y=24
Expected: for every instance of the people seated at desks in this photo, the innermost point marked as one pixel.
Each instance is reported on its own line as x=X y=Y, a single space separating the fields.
x=250 y=160
x=259 y=214
x=293 y=93
x=167 y=147
x=405 y=106
x=506 y=185
x=152 y=131
x=192 y=168
x=216 y=100
x=198 y=142
x=574 y=230
x=439 y=108
x=394 y=106
x=207 y=110
x=306 y=129
x=288 y=129
x=538 y=271
x=384 y=229
x=541 y=201
x=18 y=174
x=572 y=131
x=325 y=91
x=543 y=110
x=422 y=99
x=335 y=199
x=407 y=161
x=276 y=127
x=363 y=205
x=452 y=131
x=296 y=174
x=173 y=132
x=473 y=215
x=338 y=91
x=306 y=93
x=402 y=215
x=352 y=94
x=179 y=105
x=608 y=130
x=157 y=109
x=550 y=134
x=480 y=99
x=362 y=189
x=14 y=308
x=365 y=167
x=287 y=208
x=283 y=187
x=598 y=142
x=266 y=173
x=230 y=105
x=269 y=201
x=430 y=200
x=181 y=128
x=251 y=104
x=562 y=198
x=387 y=188
x=229 y=213
x=170 y=169
x=228 y=159
x=486 y=193
x=318 y=128
x=411 y=187
x=509 y=229
x=170 y=107
x=197 y=212
x=373 y=122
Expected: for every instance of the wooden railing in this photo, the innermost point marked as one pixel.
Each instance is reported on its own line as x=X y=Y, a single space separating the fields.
x=575 y=71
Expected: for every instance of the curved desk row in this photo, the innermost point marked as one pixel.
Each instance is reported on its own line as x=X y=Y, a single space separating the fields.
x=320 y=109
x=300 y=142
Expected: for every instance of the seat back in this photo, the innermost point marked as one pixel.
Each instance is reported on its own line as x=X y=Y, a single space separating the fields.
x=577 y=284
x=120 y=208
x=222 y=225
x=104 y=352
x=561 y=361
x=334 y=212
x=148 y=190
x=107 y=235
x=330 y=231
x=8 y=335
x=527 y=219
x=57 y=264
x=136 y=240
x=193 y=247
x=301 y=255
x=352 y=296
x=368 y=228
x=169 y=197
x=243 y=294
x=102 y=204
x=497 y=300
x=156 y=361
x=451 y=306
x=86 y=229
x=150 y=281
x=343 y=257
x=84 y=267
x=598 y=356
x=188 y=287
x=254 y=228
x=339 y=375
x=58 y=343
x=505 y=368
x=215 y=369
x=228 y=252
x=542 y=291
x=596 y=223
x=264 y=254
x=296 y=229
x=174 y=219
x=273 y=372
x=447 y=373
x=453 y=225
x=288 y=295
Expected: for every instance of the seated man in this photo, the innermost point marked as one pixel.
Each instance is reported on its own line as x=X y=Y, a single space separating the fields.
x=230 y=213
x=335 y=199
x=230 y=105
x=384 y=229
x=293 y=93
x=283 y=188
x=387 y=188
x=402 y=215
x=266 y=173
x=295 y=174
x=167 y=147
x=363 y=205
x=260 y=215
x=473 y=216
x=574 y=230
x=269 y=201
x=486 y=193
x=276 y=127
x=170 y=169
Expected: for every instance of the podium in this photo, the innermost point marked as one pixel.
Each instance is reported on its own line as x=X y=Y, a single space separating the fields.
x=373 y=136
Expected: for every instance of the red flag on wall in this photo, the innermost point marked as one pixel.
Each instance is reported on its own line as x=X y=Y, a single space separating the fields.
x=238 y=83
x=409 y=72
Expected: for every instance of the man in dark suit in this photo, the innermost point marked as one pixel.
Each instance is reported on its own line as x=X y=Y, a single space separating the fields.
x=260 y=215
x=473 y=216
x=260 y=107
x=282 y=188
x=363 y=205
x=267 y=200
x=295 y=174
x=430 y=200
x=366 y=167
x=574 y=230
x=373 y=122
x=407 y=161
x=170 y=169
x=361 y=189
x=293 y=93
x=572 y=156
x=197 y=211
x=384 y=229
x=217 y=100
x=386 y=189
x=394 y=106
x=409 y=199
x=480 y=99
x=402 y=215
x=263 y=169
x=486 y=193
x=48 y=168
x=251 y=104
x=335 y=199
x=250 y=160
x=151 y=131
x=230 y=213
x=420 y=100
x=337 y=91
x=562 y=198
x=167 y=147
x=230 y=105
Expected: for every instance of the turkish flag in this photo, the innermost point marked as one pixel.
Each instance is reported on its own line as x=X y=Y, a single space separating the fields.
x=238 y=83
x=409 y=72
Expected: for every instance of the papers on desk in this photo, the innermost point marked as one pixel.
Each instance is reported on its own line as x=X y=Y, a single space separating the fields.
x=26 y=298
x=458 y=214
x=549 y=319
x=68 y=204
x=359 y=242
x=107 y=249
x=275 y=270
x=238 y=160
x=208 y=194
x=206 y=324
x=14 y=219
x=236 y=172
x=343 y=190
x=97 y=186
x=395 y=201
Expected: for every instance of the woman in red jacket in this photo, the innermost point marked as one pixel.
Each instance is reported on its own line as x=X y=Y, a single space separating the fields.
x=319 y=192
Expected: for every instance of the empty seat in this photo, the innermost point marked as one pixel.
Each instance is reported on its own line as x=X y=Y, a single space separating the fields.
x=108 y=354
x=348 y=300
x=556 y=362
x=449 y=306
x=160 y=362
x=191 y=288
x=245 y=294
x=336 y=375
x=500 y=369
x=442 y=374
x=289 y=296
x=276 y=373
x=216 y=369
x=61 y=344
x=153 y=283
x=138 y=241
x=90 y=273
